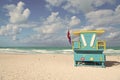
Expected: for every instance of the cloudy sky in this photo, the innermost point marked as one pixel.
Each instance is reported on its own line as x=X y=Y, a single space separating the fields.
x=45 y=22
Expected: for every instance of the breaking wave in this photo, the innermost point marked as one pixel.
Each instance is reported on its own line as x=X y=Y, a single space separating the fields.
x=112 y=51
x=51 y=51
x=35 y=51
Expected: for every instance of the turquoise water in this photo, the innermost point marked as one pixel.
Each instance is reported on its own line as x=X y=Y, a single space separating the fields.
x=51 y=50
x=115 y=48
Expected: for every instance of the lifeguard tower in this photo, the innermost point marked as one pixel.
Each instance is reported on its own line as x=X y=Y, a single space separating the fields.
x=87 y=49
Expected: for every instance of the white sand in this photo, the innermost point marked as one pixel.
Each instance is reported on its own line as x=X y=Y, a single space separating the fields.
x=54 y=67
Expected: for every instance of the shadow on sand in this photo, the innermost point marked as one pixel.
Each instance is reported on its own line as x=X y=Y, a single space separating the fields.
x=112 y=63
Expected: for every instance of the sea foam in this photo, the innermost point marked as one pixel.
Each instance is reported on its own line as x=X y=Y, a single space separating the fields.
x=51 y=51
x=34 y=51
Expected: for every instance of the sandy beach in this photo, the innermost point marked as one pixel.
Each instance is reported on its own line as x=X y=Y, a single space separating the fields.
x=54 y=67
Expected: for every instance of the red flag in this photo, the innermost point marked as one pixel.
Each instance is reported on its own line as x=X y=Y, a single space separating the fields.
x=68 y=36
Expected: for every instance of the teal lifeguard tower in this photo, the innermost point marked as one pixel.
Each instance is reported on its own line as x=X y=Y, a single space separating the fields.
x=87 y=49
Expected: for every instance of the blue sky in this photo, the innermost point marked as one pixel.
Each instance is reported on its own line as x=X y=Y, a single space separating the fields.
x=45 y=22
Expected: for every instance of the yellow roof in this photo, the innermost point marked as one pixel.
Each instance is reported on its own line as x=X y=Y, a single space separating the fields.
x=88 y=31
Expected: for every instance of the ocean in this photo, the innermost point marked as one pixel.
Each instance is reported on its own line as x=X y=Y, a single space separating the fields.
x=50 y=50
x=36 y=50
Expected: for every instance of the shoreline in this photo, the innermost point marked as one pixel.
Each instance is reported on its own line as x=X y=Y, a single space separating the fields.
x=108 y=54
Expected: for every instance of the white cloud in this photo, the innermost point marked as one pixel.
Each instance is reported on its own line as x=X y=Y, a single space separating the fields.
x=17 y=12
x=9 y=30
x=46 y=39
x=14 y=38
x=51 y=24
x=90 y=27
x=104 y=17
x=117 y=10
x=54 y=23
x=74 y=21
x=73 y=6
x=52 y=18
x=113 y=35
x=98 y=3
x=16 y=23
x=52 y=30
x=76 y=6
x=13 y=30
x=55 y=2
